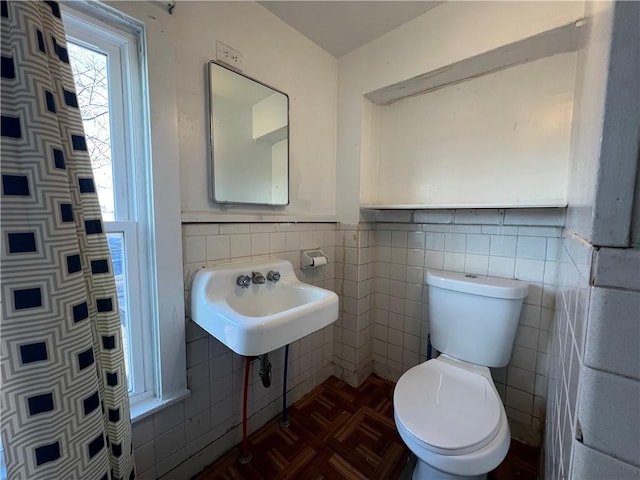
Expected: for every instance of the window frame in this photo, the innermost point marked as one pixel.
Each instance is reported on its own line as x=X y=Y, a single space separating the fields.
x=122 y=72
x=150 y=217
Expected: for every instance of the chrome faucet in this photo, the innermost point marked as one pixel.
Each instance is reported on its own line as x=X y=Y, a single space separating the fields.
x=243 y=281
x=257 y=277
x=273 y=276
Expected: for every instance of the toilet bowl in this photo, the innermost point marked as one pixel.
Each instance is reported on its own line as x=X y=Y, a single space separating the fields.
x=447 y=410
x=450 y=416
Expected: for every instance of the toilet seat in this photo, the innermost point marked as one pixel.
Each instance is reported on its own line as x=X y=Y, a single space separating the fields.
x=448 y=407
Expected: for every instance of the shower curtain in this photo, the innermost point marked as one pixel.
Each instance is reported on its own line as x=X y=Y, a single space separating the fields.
x=65 y=405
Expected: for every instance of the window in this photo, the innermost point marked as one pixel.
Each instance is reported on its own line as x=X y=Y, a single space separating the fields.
x=138 y=187
x=107 y=75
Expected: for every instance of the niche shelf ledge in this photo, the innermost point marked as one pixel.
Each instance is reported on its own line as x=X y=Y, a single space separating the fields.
x=372 y=206
x=548 y=215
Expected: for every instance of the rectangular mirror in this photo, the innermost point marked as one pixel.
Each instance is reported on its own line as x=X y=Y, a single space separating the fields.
x=249 y=140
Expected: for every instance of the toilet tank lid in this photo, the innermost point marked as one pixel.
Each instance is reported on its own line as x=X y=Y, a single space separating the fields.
x=478 y=284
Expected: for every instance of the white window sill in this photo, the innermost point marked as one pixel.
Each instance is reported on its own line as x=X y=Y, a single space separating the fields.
x=150 y=405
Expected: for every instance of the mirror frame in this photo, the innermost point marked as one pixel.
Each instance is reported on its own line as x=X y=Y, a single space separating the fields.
x=212 y=189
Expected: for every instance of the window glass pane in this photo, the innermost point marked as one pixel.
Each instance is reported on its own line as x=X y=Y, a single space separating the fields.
x=3 y=464
x=90 y=74
x=117 y=246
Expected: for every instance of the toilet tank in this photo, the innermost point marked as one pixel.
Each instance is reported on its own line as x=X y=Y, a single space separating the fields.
x=474 y=318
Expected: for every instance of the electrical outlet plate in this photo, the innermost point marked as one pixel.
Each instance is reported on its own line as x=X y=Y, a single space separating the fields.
x=229 y=56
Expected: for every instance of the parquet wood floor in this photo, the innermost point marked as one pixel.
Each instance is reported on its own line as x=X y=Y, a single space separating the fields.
x=521 y=463
x=336 y=432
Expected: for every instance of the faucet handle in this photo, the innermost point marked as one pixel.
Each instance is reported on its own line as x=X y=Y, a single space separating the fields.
x=257 y=277
x=243 y=281
x=273 y=276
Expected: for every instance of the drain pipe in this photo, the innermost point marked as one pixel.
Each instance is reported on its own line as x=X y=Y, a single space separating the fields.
x=265 y=370
x=285 y=419
x=265 y=376
x=246 y=455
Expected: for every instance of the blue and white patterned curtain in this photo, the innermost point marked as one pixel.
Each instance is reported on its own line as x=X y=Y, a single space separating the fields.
x=65 y=405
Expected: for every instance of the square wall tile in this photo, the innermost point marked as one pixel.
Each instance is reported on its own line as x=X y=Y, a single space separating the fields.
x=434 y=259
x=608 y=414
x=521 y=379
x=434 y=241
x=590 y=463
x=145 y=457
x=455 y=242
x=415 y=275
x=529 y=270
x=168 y=418
x=382 y=237
x=218 y=247
x=519 y=400
x=478 y=244
x=415 y=257
x=454 y=262
x=398 y=255
x=416 y=240
x=534 y=248
x=292 y=241
x=613 y=332
x=617 y=267
x=197 y=352
x=523 y=358
x=476 y=264
x=240 y=245
x=259 y=243
x=530 y=316
x=399 y=239
x=194 y=249
x=503 y=267
x=503 y=246
x=277 y=241
x=143 y=431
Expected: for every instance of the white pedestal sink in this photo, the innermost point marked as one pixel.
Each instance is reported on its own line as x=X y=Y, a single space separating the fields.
x=261 y=317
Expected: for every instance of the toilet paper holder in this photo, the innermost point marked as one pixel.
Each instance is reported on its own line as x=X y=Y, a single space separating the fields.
x=312 y=259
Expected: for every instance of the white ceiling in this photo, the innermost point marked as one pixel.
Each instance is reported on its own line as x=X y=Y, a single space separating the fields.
x=342 y=26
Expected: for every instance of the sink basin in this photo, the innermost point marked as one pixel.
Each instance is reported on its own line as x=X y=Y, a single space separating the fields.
x=263 y=317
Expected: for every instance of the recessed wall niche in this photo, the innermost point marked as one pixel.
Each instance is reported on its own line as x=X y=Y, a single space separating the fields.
x=498 y=137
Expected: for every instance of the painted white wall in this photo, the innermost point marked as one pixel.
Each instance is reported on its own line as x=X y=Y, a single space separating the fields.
x=369 y=142
x=591 y=84
x=277 y=55
x=170 y=334
x=604 y=144
x=456 y=145
x=446 y=34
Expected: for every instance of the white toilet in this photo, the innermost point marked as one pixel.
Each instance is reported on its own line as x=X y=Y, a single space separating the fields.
x=447 y=410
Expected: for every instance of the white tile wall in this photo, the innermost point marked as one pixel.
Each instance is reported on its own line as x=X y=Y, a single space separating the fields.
x=181 y=440
x=593 y=416
x=378 y=271
x=403 y=253
x=353 y=332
